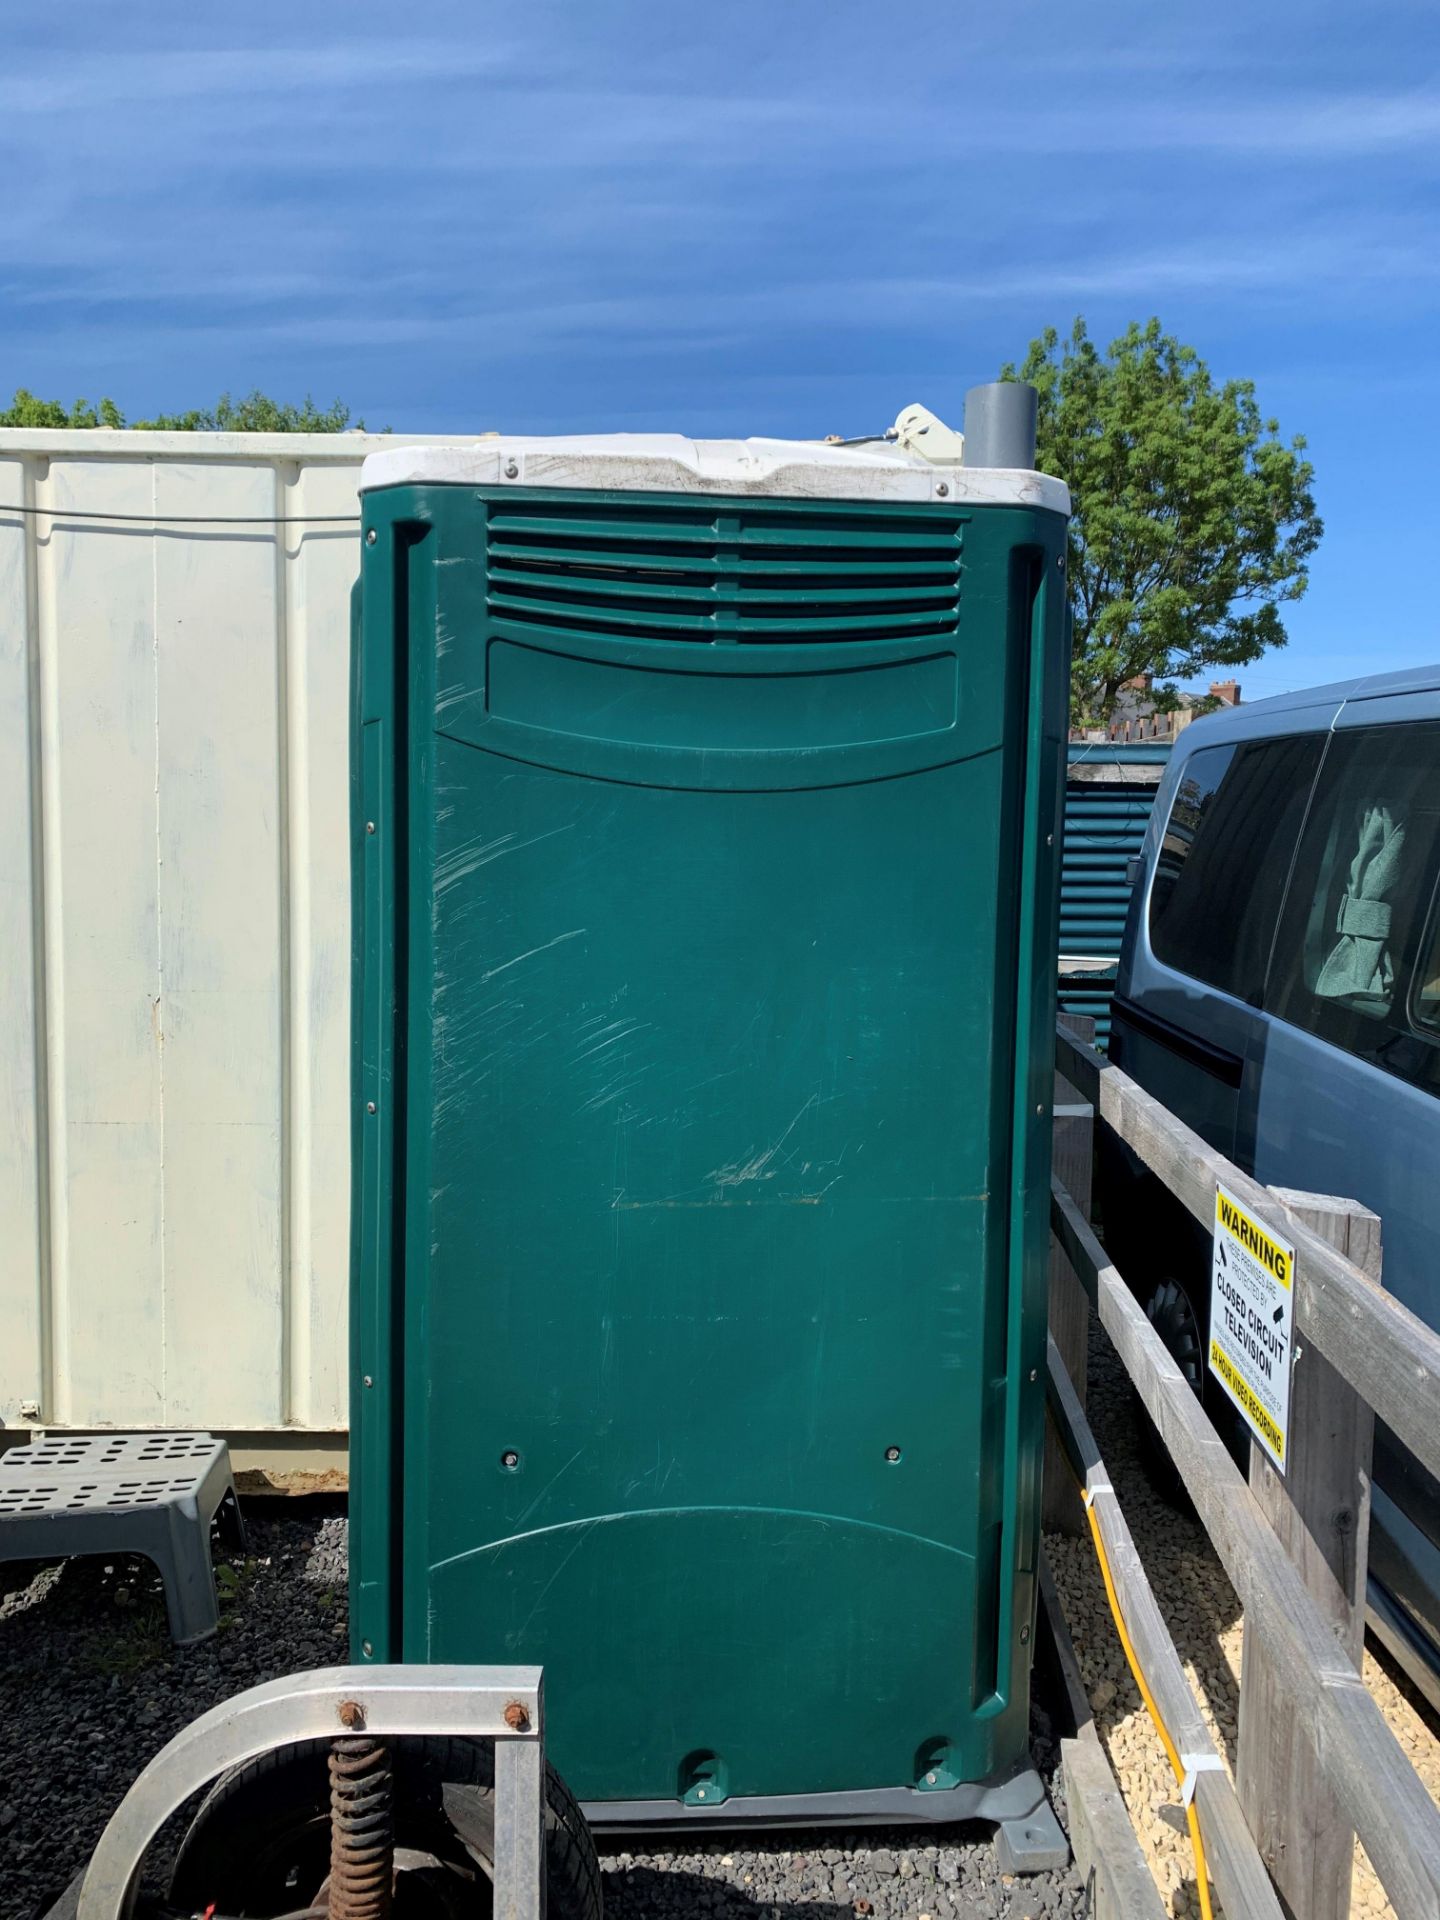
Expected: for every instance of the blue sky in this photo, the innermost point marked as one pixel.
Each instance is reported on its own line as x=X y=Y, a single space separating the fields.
x=788 y=218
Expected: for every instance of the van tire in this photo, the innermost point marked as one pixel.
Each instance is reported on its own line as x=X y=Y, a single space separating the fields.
x=1171 y=1313
x=1170 y=1309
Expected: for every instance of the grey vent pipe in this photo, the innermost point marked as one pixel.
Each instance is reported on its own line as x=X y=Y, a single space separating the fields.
x=1000 y=425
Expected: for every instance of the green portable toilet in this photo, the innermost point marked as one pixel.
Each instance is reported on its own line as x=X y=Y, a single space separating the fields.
x=706 y=808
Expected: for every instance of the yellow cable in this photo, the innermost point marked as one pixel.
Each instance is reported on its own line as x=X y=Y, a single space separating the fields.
x=1192 y=1818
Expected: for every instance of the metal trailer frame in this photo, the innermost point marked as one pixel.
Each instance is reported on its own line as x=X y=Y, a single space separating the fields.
x=503 y=1704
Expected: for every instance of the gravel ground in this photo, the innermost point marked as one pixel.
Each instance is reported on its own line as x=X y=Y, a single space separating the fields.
x=1204 y=1619
x=90 y=1688
x=827 y=1875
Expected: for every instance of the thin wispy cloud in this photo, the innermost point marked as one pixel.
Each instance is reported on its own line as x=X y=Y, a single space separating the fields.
x=517 y=325
x=1276 y=124
x=791 y=218
x=255 y=76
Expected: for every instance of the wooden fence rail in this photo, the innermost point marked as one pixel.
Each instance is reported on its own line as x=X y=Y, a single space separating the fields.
x=1107 y=1849
x=1361 y=1759
x=1391 y=1358
x=1304 y=1643
x=1235 y=1865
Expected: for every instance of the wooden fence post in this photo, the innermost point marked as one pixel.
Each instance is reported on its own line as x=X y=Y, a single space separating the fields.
x=1073 y=1149
x=1320 y=1511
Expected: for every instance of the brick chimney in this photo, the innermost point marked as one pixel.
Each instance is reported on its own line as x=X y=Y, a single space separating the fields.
x=1227 y=692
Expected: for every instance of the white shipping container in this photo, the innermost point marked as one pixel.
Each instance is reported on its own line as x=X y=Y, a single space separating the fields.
x=174 y=989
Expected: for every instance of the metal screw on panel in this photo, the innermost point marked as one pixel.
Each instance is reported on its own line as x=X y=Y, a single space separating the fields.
x=1049 y=838
x=1034 y=1376
x=1041 y=1107
x=369 y=1380
x=369 y=1106
x=1024 y=1635
x=511 y=469
x=516 y=1717
x=370 y=538
x=366 y=1648
x=929 y=1779
x=509 y=1460
x=942 y=487
x=352 y=1714
x=1060 y=561
x=892 y=1454
x=700 y=1793
x=369 y=826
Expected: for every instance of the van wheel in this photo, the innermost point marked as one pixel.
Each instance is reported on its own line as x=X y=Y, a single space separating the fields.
x=1171 y=1312
x=1173 y=1317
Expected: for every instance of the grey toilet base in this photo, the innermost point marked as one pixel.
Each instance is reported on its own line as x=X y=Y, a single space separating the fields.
x=1028 y=1837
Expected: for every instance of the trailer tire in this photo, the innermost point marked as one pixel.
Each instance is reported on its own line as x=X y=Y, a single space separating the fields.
x=259 y=1844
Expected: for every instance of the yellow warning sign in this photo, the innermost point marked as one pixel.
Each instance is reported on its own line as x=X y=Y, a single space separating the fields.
x=1252 y=1309
x=1273 y=1255
x=1249 y=1403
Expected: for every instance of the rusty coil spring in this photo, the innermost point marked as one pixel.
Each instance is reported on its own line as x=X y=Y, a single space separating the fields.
x=362 y=1830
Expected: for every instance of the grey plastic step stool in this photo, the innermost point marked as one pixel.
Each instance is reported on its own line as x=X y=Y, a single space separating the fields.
x=149 y=1493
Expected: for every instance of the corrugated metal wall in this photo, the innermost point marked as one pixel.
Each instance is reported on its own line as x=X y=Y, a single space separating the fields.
x=1109 y=792
x=174 y=1173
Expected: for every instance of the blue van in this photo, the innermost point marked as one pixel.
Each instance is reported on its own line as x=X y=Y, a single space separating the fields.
x=1279 y=990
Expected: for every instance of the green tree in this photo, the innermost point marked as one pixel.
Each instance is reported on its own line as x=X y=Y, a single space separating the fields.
x=256 y=413
x=1193 y=520
x=28 y=410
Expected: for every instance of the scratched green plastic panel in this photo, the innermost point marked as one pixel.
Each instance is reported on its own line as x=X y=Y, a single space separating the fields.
x=706 y=952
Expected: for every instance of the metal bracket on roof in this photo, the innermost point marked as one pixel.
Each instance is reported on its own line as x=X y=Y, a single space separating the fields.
x=918 y=430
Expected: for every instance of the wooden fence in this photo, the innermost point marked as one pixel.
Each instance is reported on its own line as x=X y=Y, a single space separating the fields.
x=1315 y=1758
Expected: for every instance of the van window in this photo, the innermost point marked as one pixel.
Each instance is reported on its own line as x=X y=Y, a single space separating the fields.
x=1425 y=993
x=1356 y=957
x=1221 y=870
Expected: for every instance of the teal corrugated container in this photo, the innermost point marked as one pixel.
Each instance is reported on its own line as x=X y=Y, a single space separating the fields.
x=1109 y=790
x=706 y=802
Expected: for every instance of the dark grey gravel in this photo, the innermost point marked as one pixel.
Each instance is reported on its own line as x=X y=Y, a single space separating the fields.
x=90 y=1688
x=880 y=1873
